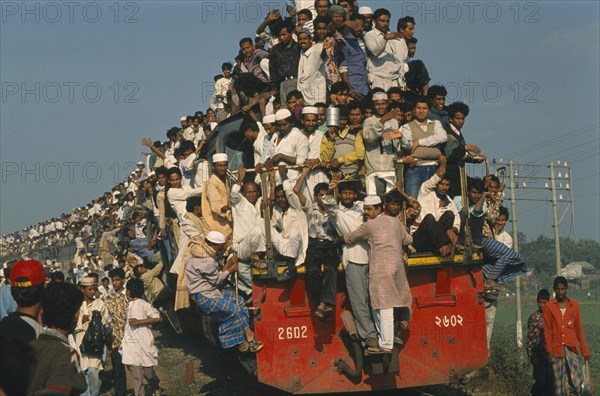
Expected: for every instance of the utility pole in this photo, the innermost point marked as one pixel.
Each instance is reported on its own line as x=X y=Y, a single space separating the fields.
x=513 y=208
x=555 y=221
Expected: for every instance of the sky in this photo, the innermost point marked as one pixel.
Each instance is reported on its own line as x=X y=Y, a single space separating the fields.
x=83 y=82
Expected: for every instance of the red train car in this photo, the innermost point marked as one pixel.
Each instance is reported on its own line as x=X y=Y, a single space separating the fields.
x=447 y=333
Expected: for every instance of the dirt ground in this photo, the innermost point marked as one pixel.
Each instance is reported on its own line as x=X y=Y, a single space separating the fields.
x=190 y=365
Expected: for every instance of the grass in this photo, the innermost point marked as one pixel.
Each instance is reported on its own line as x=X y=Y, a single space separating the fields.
x=510 y=362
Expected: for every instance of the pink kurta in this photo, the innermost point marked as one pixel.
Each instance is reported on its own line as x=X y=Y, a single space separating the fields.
x=388 y=286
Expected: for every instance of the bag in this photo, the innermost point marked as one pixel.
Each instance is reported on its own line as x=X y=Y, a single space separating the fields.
x=587 y=387
x=94 y=338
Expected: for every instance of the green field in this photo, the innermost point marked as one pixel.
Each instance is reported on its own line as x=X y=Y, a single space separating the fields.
x=504 y=335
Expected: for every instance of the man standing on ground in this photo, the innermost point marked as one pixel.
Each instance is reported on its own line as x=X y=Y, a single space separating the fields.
x=563 y=333
x=116 y=303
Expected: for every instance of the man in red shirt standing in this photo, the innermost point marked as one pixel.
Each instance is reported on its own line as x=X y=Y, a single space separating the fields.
x=563 y=331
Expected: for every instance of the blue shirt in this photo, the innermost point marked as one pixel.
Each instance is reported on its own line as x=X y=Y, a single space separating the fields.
x=355 y=59
x=459 y=205
x=7 y=302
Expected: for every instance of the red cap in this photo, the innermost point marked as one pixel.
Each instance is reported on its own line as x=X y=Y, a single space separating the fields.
x=31 y=270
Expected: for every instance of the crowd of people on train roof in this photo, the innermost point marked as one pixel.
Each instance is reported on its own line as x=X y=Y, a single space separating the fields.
x=349 y=150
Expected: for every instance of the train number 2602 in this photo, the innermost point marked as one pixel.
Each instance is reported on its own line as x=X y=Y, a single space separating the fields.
x=290 y=333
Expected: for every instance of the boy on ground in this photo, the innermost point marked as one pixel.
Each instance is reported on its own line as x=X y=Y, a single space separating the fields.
x=542 y=369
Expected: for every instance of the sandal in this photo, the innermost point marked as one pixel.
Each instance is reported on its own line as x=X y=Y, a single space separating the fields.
x=378 y=350
x=255 y=346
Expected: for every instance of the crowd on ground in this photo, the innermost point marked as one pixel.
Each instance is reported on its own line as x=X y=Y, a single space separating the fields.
x=350 y=156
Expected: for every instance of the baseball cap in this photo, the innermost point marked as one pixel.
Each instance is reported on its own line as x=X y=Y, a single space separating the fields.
x=26 y=273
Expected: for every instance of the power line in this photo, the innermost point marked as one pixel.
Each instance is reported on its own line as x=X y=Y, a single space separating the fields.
x=568 y=135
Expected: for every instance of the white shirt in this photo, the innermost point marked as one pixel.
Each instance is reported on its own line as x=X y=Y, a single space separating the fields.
x=221 y=88
x=178 y=197
x=245 y=215
x=382 y=61
x=430 y=203
x=311 y=75
x=294 y=144
x=505 y=238
x=439 y=134
x=346 y=220
x=293 y=218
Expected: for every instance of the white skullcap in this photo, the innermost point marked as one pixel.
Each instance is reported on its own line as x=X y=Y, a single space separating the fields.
x=219 y=157
x=269 y=119
x=365 y=11
x=372 y=200
x=140 y=163
x=88 y=281
x=310 y=110
x=215 y=237
x=152 y=173
x=282 y=114
x=380 y=96
x=183 y=118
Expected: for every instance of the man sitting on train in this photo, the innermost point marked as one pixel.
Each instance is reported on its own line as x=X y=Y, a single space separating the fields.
x=426 y=136
x=477 y=210
x=437 y=226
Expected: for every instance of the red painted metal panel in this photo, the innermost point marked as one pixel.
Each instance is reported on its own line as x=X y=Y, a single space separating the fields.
x=447 y=336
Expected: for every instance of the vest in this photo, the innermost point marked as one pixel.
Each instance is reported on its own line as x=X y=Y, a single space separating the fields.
x=423 y=154
x=343 y=147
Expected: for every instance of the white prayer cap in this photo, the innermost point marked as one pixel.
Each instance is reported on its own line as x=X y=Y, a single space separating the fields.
x=140 y=163
x=380 y=96
x=372 y=200
x=310 y=110
x=219 y=157
x=215 y=237
x=152 y=173
x=282 y=114
x=88 y=281
x=365 y=11
x=269 y=119
x=184 y=118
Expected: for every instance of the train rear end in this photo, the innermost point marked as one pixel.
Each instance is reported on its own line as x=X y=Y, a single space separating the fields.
x=446 y=337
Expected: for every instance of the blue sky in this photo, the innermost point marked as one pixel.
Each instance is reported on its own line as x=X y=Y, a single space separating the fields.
x=109 y=73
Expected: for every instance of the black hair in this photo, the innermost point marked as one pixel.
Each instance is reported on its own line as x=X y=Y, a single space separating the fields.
x=379 y=12
x=161 y=170
x=57 y=276
x=560 y=280
x=357 y=17
x=406 y=107
x=393 y=105
x=503 y=212
x=348 y=185
x=172 y=132
x=250 y=124
x=320 y=187
x=475 y=183
x=218 y=77
x=174 y=170
x=60 y=303
x=136 y=271
x=120 y=272
x=355 y=105
x=339 y=87
x=226 y=66
x=403 y=22
x=543 y=294
x=422 y=99
x=279 y=187
x=394 y=90
x=436 y=90
x=246 y=40
x=105 y=279
x=306 y=12
x=192 y=202
x=457 y=107
x=27 y=296
x=294 y=94
x=320 y=104
x=186 y=145
x=321 y=19
x=344 y=112
x=317 y=2
x=394 y=196
x=135 y=287
x=412 y=40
